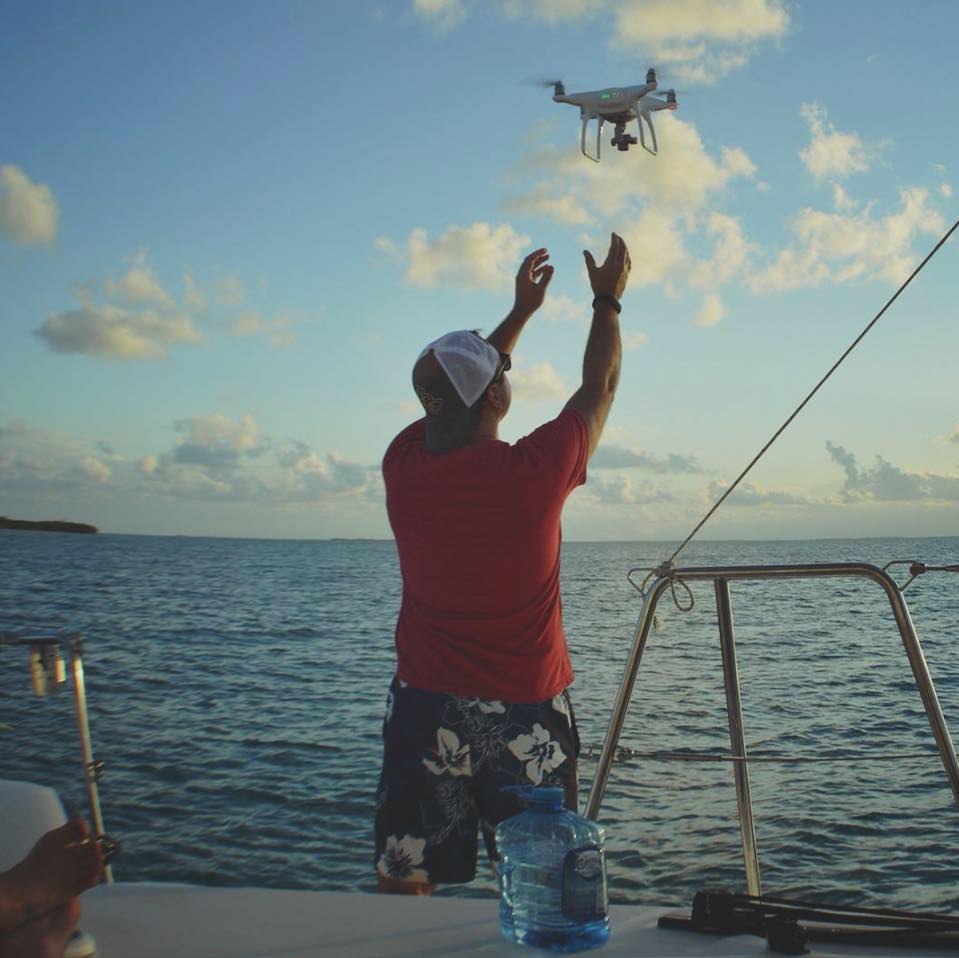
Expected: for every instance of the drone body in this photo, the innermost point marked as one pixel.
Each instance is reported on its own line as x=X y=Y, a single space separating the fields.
x=618 y=105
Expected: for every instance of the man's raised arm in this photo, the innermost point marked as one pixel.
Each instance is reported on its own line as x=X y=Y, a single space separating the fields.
x=531 y=283
x=601 y=362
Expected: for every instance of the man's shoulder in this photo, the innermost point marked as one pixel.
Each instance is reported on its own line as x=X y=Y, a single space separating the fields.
x=407 y=439
x=568 y=427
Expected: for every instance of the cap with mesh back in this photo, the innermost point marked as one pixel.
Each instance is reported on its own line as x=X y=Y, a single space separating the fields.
x=468 y=360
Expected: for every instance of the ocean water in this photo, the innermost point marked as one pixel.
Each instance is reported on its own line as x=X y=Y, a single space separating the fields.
x=236 y=692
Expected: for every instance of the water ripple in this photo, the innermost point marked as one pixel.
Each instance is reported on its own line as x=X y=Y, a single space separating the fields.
x=237 y=689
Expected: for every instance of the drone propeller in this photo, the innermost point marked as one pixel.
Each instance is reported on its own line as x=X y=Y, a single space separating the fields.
x=542 y=80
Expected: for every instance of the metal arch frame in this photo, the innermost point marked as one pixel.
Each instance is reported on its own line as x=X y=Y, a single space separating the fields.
x=721 y=576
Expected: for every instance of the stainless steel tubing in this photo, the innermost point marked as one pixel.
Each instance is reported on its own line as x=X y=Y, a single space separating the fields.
x=737 y=735
x=927 y=689
x=83 y=722
x=621 y=706
x=907 y=632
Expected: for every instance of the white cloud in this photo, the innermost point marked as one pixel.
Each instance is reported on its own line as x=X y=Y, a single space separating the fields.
x=731 y=252
x=252 y=323
x=618 y=489
x=148 y=464
x=309 y=475
x=659 y=213
x=479 y=256
x=543 y=200
x=559 y=184
x=633 y=341
x=560 y=308
x=193 y=298
x=94 y=469
x=751 y=494
x=946 y=190
x=541 y=381
x=655 y=209
x=675 y=21
x=214 y=458
x=34 y=459
x=230 y=460
x=229 y=291
x=219 y=431
x=887 y=482
x=833 y=153
x=656 y=248
x=841 y=199
x=28 y=210
x=440 y=15
x=139 y=285
x=694 y=40
x=141 y=320
x=840 y=247
x=114 y=332
x=611 y=456
x=711 y=312
x=699 y=40
x=215 y=443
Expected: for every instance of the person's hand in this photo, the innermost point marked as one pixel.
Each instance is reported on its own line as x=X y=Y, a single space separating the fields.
x=531 y=282
x=611 y=277
x=64 y=862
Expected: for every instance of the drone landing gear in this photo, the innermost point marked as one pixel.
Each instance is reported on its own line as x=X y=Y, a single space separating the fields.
x=622 y=140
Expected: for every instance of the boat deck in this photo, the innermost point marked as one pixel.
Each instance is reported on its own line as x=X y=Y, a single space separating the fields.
x=132 y=920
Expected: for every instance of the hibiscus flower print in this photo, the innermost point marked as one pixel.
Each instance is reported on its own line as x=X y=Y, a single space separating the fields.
x=449 y=756
x=399 y=857
x=490 y=706
x=562 y=706
x=540 y=753
x=390 y=702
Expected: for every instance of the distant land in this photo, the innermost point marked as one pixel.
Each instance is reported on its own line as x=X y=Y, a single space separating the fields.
x=49 y=525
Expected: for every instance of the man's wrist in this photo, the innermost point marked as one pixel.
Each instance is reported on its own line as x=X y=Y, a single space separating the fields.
x=520 y=314
x=606 y=299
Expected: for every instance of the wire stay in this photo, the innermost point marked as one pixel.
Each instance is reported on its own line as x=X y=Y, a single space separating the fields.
x=665 y=566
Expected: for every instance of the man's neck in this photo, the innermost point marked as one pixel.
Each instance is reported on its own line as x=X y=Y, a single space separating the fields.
x=439 y=443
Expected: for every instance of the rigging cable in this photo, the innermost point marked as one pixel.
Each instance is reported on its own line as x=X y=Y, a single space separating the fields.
x=667 y=565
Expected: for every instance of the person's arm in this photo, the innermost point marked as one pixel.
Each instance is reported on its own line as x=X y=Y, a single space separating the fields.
x=531 y=283
x=601 y=362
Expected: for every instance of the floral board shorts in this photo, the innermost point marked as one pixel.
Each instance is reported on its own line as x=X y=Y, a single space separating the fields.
x=445 y=761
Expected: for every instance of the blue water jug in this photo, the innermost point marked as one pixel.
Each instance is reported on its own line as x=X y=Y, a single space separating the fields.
x=552 y=875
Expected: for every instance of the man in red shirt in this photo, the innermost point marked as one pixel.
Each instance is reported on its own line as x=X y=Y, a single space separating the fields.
x=480 y=699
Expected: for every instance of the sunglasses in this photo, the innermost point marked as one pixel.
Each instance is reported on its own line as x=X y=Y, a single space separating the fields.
x=504 y=364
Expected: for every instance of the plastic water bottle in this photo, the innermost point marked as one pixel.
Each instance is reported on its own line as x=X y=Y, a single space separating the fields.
x=552 y=875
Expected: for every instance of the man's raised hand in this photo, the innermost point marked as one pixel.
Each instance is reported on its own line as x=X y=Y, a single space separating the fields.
x=531 y=282
x=610 y=278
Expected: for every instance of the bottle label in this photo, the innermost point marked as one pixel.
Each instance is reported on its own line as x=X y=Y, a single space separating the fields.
x=585 y=896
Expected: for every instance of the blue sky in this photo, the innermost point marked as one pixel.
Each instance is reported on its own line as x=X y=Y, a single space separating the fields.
x=227 y=229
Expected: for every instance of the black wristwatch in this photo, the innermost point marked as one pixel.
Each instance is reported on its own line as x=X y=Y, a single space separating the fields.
x=609 y=301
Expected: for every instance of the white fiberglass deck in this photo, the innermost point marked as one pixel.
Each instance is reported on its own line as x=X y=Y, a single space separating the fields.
x=183 y=921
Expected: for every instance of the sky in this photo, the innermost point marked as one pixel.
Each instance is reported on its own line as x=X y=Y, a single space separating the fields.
x=227 y=230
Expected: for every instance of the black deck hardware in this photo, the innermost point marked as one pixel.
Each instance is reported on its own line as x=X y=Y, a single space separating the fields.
x=789 y=925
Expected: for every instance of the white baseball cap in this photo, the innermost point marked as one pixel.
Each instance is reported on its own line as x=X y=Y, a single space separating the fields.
x=468 y=360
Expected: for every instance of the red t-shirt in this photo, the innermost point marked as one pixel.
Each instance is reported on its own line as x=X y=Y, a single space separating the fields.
x=478 y=535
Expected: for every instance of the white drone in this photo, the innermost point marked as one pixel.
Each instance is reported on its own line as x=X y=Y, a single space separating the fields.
x=618 y=105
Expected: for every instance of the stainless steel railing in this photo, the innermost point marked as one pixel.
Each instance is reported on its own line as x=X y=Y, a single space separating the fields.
x=47 y=670
x=721 y=576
